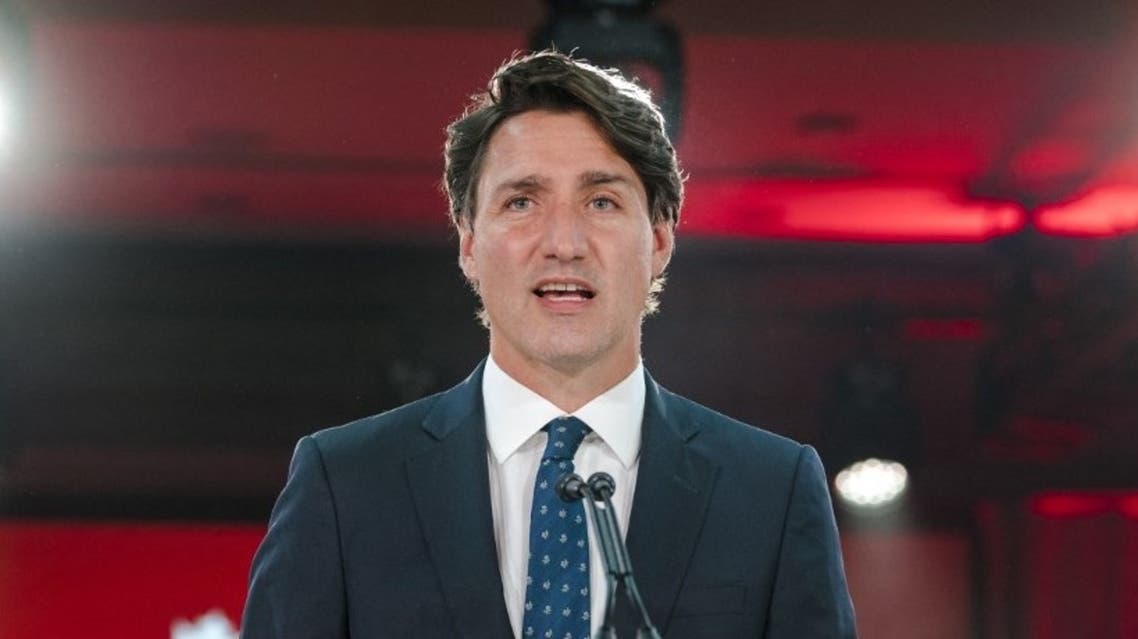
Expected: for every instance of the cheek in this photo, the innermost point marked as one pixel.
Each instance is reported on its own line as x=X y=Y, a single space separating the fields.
x=487 y=255
x=495 y=266
x=504 y=249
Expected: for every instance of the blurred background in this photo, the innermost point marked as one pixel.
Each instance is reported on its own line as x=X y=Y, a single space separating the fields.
x=911 y=235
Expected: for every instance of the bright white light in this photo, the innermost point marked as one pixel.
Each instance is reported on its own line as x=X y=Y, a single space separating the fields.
x=212 y=625
x=871 y=483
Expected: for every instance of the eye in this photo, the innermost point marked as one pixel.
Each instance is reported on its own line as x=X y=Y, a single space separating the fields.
x=603 y=203
x=520 y=203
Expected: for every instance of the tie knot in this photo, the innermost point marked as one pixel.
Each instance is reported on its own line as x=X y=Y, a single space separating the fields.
x=565 y=436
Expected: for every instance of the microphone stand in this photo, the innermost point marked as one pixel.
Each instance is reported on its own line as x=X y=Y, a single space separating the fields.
x=618 y=566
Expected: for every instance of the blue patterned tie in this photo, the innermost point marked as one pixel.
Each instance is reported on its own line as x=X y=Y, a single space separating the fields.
x=557 y=584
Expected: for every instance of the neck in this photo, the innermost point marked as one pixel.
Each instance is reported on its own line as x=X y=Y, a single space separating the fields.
x=566 y=386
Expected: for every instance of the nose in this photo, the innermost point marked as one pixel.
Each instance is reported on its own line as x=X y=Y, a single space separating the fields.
x=564 y=238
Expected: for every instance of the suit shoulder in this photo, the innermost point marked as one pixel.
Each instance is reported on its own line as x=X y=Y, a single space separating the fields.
x=390 y=426
x=723 y=431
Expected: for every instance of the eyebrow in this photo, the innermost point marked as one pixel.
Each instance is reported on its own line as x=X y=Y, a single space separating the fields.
x=535 y=182
x=531 y=182
x=594 y=178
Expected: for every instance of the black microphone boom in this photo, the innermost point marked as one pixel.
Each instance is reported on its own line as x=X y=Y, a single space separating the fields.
x=599 y=490
x=603 y=486
x=570 y=487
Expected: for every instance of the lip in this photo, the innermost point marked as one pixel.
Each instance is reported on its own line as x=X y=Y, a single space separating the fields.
x=575 y=281
x=580 y=283
x=568 y=304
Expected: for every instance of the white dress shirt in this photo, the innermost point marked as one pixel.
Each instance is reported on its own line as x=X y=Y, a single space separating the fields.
x=514 y=418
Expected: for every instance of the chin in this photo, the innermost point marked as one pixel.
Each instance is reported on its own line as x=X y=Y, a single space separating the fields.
x=577 y=351
x=562 y=357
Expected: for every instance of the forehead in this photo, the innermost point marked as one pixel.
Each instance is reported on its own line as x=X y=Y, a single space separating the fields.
x=553 y=145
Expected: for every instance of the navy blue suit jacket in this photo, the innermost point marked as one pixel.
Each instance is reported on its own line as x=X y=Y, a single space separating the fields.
x=384 y=529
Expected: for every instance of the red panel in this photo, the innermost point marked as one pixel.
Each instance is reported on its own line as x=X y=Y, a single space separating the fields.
x=1073 y=574
x=1065 y=567
x=119 y=581
x=316 y=90
x=1128 y=580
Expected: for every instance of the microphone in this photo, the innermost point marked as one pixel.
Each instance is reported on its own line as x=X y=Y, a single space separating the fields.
x=570 y=487
x=618 y=567
x=602 y=484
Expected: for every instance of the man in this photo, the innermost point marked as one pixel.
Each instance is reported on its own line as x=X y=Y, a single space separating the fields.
x=438 y=519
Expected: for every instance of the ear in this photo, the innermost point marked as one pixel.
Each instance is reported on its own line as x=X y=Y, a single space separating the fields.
x=663 y=243
x=466 y=253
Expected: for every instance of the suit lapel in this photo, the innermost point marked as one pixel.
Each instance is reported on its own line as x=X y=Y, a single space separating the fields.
x=673 y=488
x=450 y=484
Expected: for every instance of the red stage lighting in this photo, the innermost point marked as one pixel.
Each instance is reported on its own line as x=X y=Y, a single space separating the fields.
x=846 y=210
x=1101 y=212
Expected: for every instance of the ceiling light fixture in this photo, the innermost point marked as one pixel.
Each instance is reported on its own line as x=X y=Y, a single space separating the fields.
x=871 y=484
x=622 y=34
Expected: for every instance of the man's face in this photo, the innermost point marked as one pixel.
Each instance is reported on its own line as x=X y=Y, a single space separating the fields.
x=561 y=248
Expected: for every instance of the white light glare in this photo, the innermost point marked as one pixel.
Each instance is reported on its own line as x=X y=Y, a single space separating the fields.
x=212 y=625
x=871 y=483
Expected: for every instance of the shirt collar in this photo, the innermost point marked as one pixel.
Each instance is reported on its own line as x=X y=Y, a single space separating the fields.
x=514 y=413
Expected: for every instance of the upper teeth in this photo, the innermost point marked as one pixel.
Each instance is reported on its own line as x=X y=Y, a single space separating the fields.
x=561 y=287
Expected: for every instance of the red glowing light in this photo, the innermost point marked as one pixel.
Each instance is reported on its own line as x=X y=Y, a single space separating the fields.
x=1128 y=506
x=1063 y=505
x=847 y=210
x=1102 y=212
x=1069 y=505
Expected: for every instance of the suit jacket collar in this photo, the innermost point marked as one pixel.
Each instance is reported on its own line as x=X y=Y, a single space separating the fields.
x=673 y=490
x=450 y=483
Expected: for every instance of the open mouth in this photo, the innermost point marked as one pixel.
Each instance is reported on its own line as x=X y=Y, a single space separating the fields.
x=564 y=291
